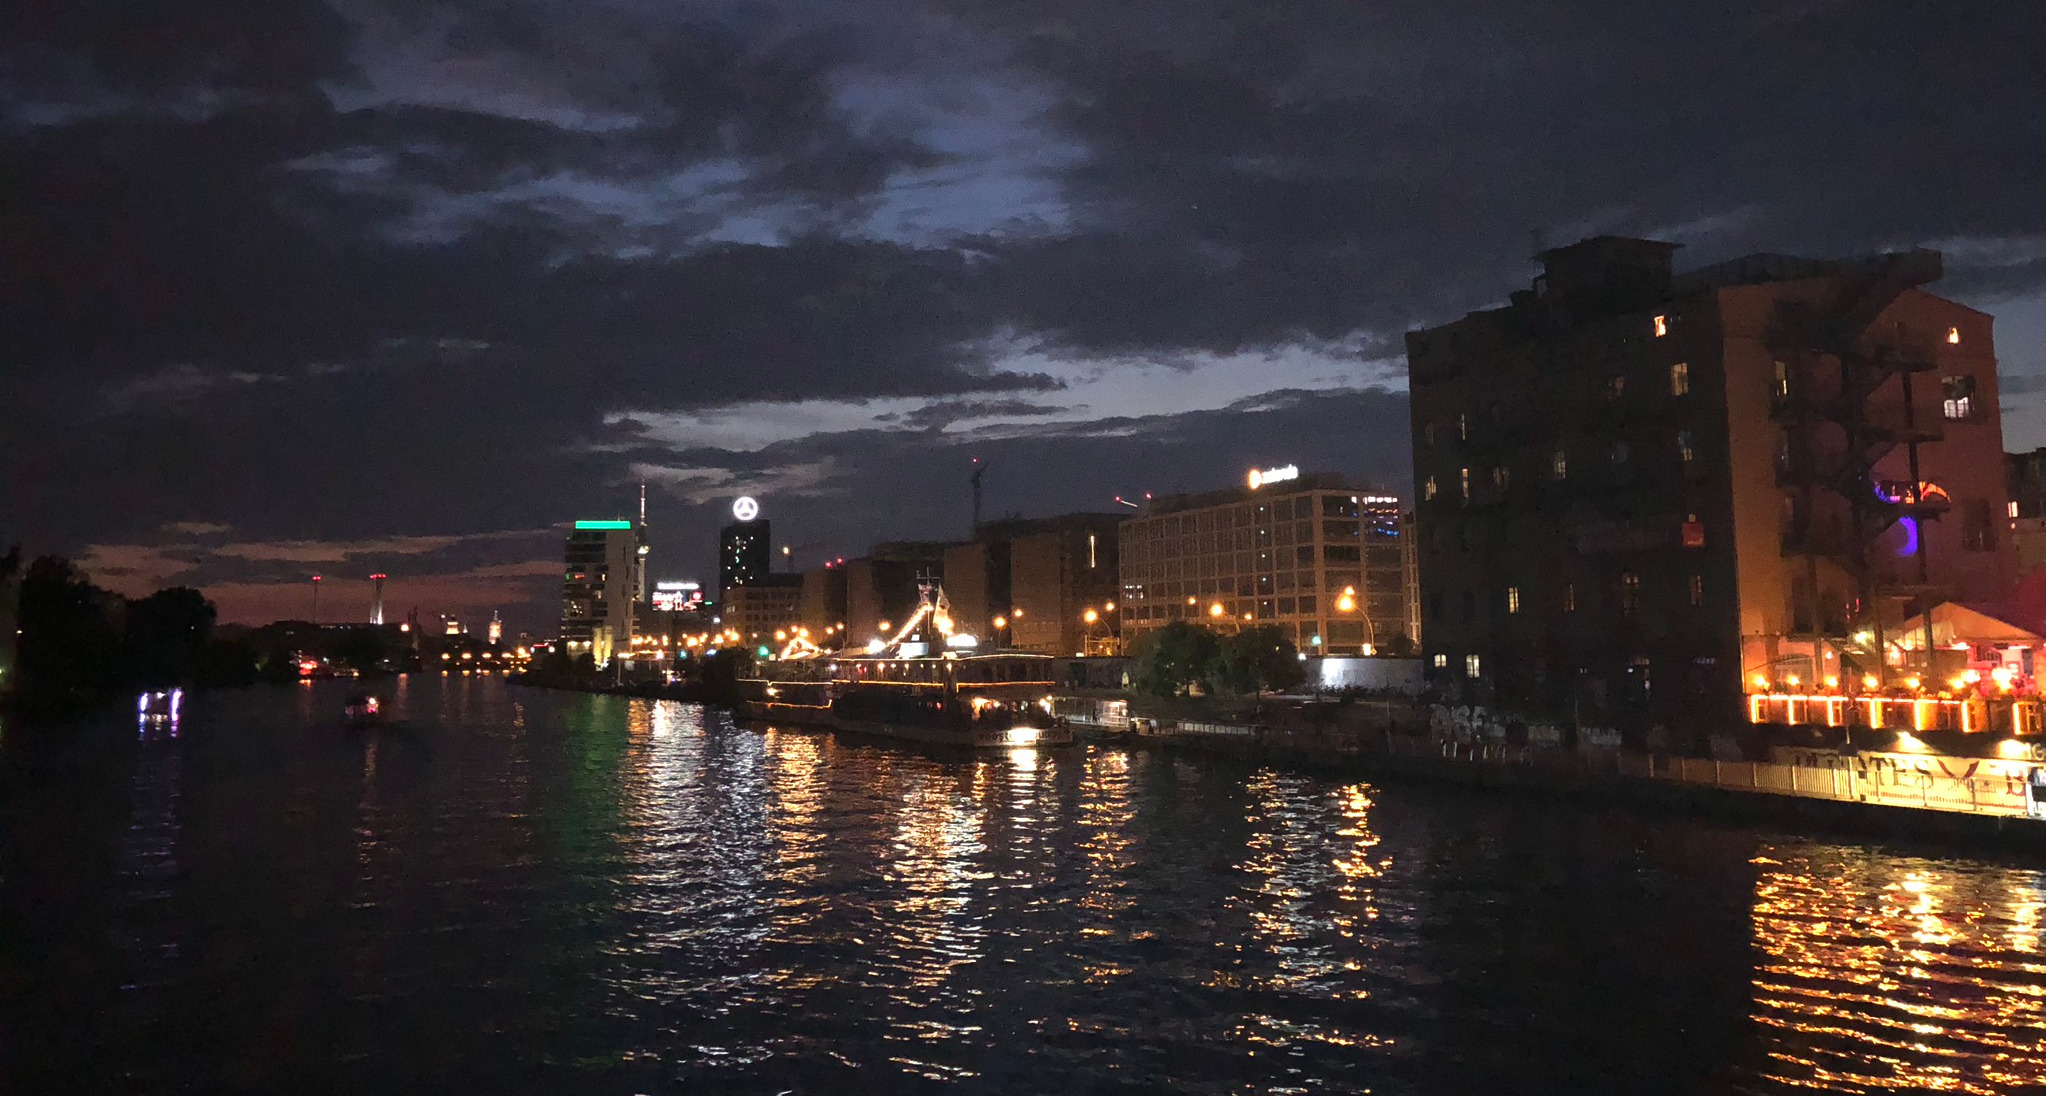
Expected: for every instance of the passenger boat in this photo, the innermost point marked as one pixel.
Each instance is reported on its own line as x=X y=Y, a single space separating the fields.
x=929 y=684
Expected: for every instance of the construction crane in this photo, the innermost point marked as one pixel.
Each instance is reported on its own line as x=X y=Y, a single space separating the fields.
x=979 y=470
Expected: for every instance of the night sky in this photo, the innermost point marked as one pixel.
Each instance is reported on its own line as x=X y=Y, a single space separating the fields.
x=295 y=287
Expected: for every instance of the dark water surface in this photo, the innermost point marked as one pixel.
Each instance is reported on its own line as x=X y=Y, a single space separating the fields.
x=533 y=892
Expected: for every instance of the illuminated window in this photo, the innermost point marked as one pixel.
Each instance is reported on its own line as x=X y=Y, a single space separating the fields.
x=1697 y=589
x=1954 y=335
x=1428 y=488
x=1472 y=666
x=1630 y=593
x=1780 y=388
x=1463 y=427
x=1442 y=662
x=1513 y=599
x=1685 y=451
x=1661 y=326
x=1091 y=563
x=1464 y=476
x=1680 y=379
x=1958 y=397
x=1569 y=597
x=2014 y=508
x=1559 y=465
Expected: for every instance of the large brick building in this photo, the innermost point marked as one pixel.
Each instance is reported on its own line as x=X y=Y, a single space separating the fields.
x=1638 y=491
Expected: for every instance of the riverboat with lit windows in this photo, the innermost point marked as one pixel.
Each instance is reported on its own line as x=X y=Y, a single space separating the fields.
x=930 y=683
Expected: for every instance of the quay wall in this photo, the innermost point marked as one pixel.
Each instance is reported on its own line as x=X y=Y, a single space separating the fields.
x=1944 y=800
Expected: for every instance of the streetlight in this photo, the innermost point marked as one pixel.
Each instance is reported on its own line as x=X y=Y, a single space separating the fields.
x=1090 y=616
x=1215 y=610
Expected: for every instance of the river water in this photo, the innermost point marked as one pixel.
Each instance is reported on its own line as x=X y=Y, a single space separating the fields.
x=519 y=891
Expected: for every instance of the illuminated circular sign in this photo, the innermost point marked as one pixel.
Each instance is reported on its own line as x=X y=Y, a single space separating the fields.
x=745 y=508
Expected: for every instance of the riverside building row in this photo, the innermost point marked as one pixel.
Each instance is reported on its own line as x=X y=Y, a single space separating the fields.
x=1327 y=562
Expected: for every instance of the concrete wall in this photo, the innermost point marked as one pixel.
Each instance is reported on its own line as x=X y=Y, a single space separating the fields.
x=1398 y=674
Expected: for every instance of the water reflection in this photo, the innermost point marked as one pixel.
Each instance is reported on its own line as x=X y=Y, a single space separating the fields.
x=525 y=892
x=1885 y=973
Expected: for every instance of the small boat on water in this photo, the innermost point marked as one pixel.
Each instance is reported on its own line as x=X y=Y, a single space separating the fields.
x=160 y=706
x=362 y=710
x=929 y=684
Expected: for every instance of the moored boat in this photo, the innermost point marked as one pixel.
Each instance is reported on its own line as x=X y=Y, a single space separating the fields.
x=929 y=684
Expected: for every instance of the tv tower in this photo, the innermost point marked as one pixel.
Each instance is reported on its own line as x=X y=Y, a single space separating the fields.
x=376 y=598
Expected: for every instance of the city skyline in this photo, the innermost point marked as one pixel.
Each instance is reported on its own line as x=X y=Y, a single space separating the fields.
x=358 y=292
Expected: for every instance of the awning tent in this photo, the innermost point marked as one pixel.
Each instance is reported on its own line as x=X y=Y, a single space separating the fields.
x=1954 y=623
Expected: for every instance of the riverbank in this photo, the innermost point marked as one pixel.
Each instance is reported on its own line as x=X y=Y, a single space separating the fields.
x=1388 y=740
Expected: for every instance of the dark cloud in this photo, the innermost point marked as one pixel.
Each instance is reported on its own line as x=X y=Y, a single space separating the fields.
x=341 y=272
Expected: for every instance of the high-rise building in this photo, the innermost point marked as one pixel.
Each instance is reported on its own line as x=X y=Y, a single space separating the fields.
x=376 y=599
x=496 y=628
x=600 y=591
x=1311 y=554
x=1640 y=492
x=745 y=553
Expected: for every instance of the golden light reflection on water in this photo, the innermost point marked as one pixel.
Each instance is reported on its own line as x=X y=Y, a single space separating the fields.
x=1310 y=901
x=1889 y=973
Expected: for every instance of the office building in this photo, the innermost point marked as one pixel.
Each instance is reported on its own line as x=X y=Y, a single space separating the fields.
x=676 y=609
x=600 y=591
x=1311 y=554
x=1028 y=584
x=822 y=608
x=1640 y=493
x=759 y=609
x=745 y=553
x=882 y=588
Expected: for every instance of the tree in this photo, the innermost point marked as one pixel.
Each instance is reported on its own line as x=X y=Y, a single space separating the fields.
x=367 y=650
x=1400 y=646
x=166 y=637
x=70 y=636
x=1256 y=660
x=1171 y=658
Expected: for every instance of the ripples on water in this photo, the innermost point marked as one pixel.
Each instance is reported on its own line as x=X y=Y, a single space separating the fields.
x=524 y=892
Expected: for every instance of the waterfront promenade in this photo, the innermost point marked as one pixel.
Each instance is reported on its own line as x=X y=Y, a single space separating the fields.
x=1902 y=795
